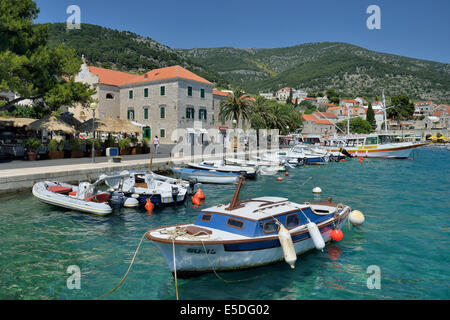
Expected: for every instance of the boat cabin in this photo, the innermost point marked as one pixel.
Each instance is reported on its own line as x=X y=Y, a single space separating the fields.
x=256 y=217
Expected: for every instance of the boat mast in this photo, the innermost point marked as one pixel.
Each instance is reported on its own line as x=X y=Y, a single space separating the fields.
x=348 y=120
x=384 y=109
x=235 y=203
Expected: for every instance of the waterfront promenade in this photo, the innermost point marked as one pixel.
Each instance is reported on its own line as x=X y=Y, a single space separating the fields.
x=20 y=175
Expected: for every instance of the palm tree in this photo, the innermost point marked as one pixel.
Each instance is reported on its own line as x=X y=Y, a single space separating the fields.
x=236 y=106
x=262 y=117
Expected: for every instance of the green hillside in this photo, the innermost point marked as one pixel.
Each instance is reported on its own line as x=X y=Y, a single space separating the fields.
x=319 y=66
x=123 y=50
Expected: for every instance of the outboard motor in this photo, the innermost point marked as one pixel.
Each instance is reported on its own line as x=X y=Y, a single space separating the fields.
x=192 y=183
x=117 y=200
x=345 y=152
x=175 y=193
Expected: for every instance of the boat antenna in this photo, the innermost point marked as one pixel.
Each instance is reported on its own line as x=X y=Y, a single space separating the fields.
x=235 y=203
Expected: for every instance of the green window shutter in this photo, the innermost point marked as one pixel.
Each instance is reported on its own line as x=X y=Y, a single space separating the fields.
x=162 y=133
x=202 y=93
x=146 y=113
x=190 y=91
x=163 y=90
x=130 y=94
x=145 y=92
x=163 y=112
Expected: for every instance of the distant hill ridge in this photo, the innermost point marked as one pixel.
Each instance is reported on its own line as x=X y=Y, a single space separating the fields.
x=353 y=70
x=318 y=66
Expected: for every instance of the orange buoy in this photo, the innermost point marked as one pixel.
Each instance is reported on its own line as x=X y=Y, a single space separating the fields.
x=199 y=194
x=280 y=179
x=149 y=206
x=337 y=235
x=196 y=200
x=286 y=173
x=343 y=160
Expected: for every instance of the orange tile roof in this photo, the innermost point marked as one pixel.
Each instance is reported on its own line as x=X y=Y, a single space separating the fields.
x=307 y=98
x=111 y=77
x=324 y=122
x=168 y=73
x=437 y=113
x=333 y=108
x=352 y=101
x=325 y=114
x=309 y=117
x=220 y=93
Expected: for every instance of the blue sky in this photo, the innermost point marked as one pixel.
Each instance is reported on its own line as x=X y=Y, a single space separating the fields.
x=418 y=29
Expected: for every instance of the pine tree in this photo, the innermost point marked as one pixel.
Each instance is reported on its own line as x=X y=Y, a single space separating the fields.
x=370 y=117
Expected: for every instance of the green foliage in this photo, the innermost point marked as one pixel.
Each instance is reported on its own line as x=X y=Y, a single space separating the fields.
x=236 y=106
x=55 y=145
x=124 y=50
x=110 y=142
x=32 y=144
x=402 y=107
x=124 y=143
x=357 y=125
x=370 y=117
x=146 y=142
x=28 y=66
x=76 y=143
x=351 y=70
x=96 y=144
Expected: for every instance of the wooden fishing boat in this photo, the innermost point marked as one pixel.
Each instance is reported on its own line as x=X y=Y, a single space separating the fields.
x=247 y=233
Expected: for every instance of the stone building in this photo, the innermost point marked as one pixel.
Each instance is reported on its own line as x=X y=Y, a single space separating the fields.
x=159 y=101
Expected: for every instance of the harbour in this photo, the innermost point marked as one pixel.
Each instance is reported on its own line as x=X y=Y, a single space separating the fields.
x=404 y=202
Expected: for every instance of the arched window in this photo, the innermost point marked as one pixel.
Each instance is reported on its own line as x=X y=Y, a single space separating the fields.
x=109 y=96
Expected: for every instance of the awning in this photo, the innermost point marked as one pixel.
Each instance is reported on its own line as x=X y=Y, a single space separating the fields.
x=203 y=131
x=190 y=130
x=138 y=124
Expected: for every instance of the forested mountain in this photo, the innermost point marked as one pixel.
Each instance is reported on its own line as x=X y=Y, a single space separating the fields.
x=123 y=50
x=318 y=66
x=313 y=67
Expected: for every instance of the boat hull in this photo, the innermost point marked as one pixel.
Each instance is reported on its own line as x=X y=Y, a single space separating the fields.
x=198 y=258
x=395 y=152
x=64 y=201
x=205 y=176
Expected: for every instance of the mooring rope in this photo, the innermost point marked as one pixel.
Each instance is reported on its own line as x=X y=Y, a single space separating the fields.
x=175 y=268
x=126 y=274
x=218 y=276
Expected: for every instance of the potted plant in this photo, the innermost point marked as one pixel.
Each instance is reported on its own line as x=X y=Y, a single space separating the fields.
x=146 y=145
x=124 y=146
x=76 y=152
x=55 y=149
x=97 y=146
x=133 y=141
x=32 y=145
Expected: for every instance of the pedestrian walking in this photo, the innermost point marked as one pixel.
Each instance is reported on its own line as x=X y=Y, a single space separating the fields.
x=156 y=144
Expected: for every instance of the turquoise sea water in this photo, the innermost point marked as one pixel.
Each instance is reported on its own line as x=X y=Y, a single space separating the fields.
x=406 y=234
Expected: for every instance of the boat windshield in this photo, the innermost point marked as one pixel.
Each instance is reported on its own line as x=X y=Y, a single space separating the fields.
x=384 y=139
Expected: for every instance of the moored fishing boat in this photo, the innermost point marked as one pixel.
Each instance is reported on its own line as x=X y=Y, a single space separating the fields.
x=248 y=233
x=219 y=166
x=373 y=145
x=205 y=176
x=159 y=190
